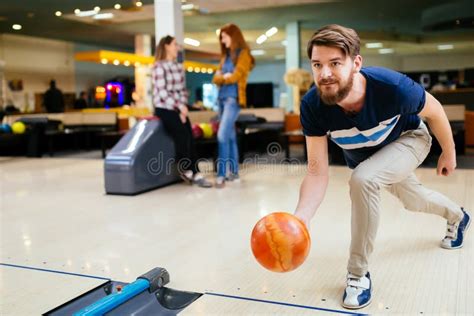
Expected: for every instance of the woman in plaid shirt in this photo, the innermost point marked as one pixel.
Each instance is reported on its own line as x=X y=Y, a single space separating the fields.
x=170 y=98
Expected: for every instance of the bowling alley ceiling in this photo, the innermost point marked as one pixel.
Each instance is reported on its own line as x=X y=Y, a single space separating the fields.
x=402 y=27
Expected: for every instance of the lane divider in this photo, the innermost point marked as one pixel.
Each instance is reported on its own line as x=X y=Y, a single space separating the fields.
x=283 y=303
x=54 y=271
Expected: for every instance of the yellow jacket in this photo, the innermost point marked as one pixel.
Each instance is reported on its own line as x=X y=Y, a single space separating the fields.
x=239 y=76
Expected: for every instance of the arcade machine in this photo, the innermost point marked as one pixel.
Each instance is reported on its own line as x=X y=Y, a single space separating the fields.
x=114 y=94
x=143 y=159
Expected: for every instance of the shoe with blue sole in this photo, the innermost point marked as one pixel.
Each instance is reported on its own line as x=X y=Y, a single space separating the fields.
x=456 y=232
x=358 y=292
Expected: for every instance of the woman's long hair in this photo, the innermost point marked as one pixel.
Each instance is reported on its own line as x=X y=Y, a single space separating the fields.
x=237 y=44
x=160 y=52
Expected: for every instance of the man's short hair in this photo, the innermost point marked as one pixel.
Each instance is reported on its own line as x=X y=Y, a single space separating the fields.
x=338 y=36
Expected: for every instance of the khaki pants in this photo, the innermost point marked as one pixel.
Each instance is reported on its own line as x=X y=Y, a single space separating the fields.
x=392 y=168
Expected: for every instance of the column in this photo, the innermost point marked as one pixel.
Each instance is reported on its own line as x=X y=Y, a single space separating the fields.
x=293 y=59
x=169 y=20
x=143 y=86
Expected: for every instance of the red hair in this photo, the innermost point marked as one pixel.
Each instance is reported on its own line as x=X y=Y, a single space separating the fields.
x=237 y=42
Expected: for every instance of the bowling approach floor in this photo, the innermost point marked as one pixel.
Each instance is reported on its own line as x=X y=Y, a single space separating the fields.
x=56 y=217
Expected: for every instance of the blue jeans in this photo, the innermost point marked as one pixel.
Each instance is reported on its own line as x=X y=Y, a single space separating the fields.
x=227 y=138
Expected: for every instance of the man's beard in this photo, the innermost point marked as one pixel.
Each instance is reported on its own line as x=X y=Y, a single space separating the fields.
x=339 y=95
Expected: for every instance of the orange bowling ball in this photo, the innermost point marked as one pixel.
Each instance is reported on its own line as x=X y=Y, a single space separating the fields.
x=280 y=242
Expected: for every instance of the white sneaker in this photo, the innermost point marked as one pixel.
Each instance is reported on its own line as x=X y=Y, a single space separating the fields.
x=200 y=181
x=358 y=292
x=187 y=176
x=220 y=182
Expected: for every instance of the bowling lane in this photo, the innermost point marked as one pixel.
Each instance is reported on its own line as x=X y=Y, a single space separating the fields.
x=55 y=215
x=33 y=292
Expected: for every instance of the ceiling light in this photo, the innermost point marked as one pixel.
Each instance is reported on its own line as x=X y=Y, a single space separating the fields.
x=138 y=3
x=16 y=27
x=104 y=61
x=137 y=64
x=374 y=45
x=190 y=69
x=445 y=46
x=272 y=31
x=126 y=63
x=262 y=38
x=197 y=69
x=86 y=13
x=210 y=71
x=386 y=51
x=117 y=6
x=58 y=13
x=191 y=42
x=116 y=62
x=103 y=16
x=257 y=52
x=187 y=6
x=96 y=9
x=77 y=11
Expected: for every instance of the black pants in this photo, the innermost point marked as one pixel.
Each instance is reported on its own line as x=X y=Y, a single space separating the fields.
x=183 y=138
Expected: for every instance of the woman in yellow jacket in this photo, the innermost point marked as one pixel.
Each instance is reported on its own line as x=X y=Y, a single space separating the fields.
x=236 y=63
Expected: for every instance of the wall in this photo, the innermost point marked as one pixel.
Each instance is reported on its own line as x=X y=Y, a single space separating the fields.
x=195 y=81
x=435 y=62
x=442 y=61
x=270 y=72
x=36 y=61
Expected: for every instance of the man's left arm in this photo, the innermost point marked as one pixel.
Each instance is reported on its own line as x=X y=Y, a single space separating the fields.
x=436 y=118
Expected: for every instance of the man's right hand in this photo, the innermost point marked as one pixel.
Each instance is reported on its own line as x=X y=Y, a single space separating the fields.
x=304 y=219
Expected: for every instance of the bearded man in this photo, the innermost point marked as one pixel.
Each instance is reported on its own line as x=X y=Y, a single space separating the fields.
x=373 y=114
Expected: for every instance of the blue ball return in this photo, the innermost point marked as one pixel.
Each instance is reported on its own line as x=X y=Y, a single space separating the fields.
x=146 y=296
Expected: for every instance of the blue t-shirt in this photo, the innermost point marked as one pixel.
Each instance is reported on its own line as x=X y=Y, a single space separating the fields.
x=228 y=90
x=391 y=106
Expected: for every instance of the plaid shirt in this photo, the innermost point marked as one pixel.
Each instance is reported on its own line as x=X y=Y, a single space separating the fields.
x=169 y=91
